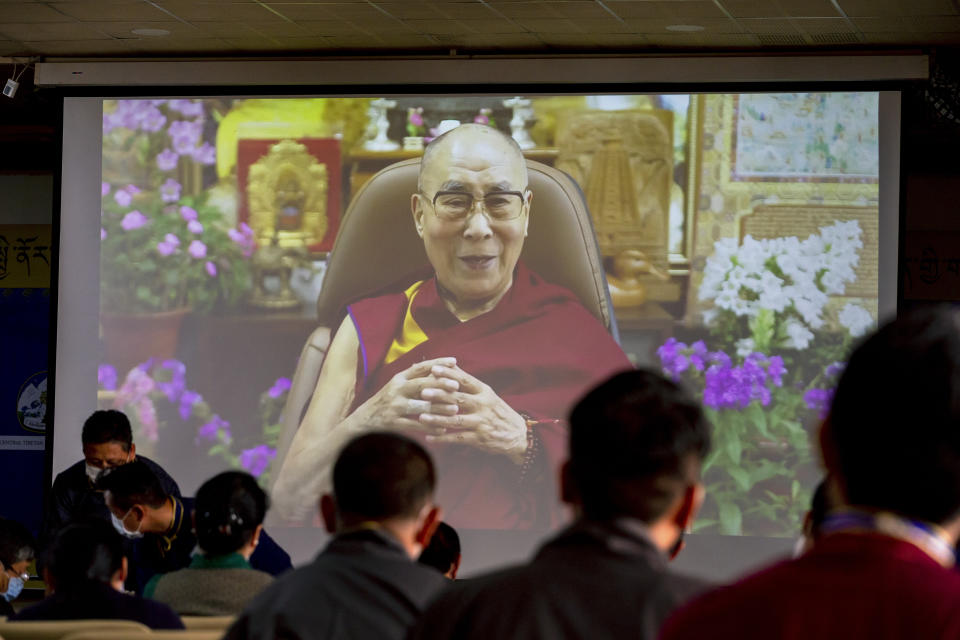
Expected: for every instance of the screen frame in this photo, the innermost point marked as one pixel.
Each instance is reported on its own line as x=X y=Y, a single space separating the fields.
x=91 y=96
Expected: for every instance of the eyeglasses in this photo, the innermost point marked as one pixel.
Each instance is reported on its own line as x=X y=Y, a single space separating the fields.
x=498 y=205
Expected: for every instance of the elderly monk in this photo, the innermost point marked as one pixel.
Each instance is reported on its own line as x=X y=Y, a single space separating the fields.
x=480 y=359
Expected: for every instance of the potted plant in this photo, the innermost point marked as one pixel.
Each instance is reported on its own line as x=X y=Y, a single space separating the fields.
x=776 y=350
x=162 y=253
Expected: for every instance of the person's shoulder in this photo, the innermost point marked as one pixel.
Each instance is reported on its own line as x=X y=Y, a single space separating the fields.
x=71 y=475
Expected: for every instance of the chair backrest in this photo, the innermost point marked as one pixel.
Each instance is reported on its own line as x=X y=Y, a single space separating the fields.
x=377 y=243
x=207 y=623
x=209 y=634
x=58 y=629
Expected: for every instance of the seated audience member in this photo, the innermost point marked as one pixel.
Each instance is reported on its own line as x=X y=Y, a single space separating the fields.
x=443 y=552
x=84 y=571
x=365 y=584
x=636 y=446
x=16 y=553
x=228 y=520
x=159 y=525
x=881 y=567
x=107 y=443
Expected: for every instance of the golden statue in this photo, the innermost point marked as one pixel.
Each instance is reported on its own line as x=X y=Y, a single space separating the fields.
x=287 y=196
x=624 y=160
x=272 y=267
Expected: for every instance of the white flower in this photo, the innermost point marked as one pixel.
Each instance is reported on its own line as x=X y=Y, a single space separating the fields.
x=798 y=336
x=855 y=319
x=709 y=316
x=745 y=347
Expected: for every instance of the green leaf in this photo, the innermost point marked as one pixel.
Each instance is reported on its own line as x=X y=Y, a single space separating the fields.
x=731 y=519
x=758 y=418
x=794 y=489
x=741 y=477
x=734 y=448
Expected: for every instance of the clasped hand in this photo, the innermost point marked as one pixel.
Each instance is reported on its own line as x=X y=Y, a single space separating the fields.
x=440 y=399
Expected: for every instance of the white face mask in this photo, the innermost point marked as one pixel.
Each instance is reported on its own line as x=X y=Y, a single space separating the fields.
x=122 y=530
x=92 y=472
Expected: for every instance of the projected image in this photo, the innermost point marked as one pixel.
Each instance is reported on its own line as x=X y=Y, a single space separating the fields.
x=265 y=294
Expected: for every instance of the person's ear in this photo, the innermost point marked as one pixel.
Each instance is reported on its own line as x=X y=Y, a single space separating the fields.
x=427 y=526
x=120 y=575
x=416 y=207
x=133 y=452
x=452 y=571
x=328 y=511
x=528 y=197
x=690 y=503
x=47 y=581
x=255 y=539
x=193 y=520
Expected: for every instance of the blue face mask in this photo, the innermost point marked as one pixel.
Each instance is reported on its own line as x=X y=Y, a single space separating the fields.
x=13 y=589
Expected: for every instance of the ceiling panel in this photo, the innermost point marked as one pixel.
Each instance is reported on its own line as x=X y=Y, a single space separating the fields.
x=30 y=12
x=710 y=25
x=666 y=9
x=863 y=8
x=48 y=31
x=105 y=10
x=203 y=11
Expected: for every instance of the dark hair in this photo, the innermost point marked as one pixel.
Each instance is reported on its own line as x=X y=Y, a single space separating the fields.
x=16 y=543
x=84 y=552
x=227 y=510
x=636 y=441
x=895 y=418
x=107 y=426
x=820 y=505
x=382 y=475
x=132 y=483
x=443 y=550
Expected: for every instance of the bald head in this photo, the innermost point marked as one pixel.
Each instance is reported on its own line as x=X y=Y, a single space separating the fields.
x=464 y=139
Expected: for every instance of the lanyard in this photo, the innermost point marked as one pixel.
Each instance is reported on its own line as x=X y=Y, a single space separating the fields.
x=929 y=538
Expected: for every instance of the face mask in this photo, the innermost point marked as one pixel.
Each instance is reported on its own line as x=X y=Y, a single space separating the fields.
x=122 y=530
x=92 y=472
x=13 y=589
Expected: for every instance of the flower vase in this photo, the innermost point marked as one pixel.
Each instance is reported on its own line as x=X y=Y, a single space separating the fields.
x=132 y=338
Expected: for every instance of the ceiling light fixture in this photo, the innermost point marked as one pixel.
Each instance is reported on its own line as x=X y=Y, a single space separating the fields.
x=685 y=27
x=152 y=33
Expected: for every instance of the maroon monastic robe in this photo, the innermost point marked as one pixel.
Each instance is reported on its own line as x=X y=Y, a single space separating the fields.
x=539 y=349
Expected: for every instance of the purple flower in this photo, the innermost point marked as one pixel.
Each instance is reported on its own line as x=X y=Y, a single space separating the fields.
x=820 y=400
x=107 y=377
x=133 y=220
x=165 y=248
x=257 y=459
x=835 y=369
x=197 y=249
x=177 y=383
x=104 y=188
x=187 y=400
x=775 y=370
x=188 y=213
x=172 y=239
x=244 y=238
x=210 y=430
x=211 y=269
x=185 y=135
x=194 y=227
x=103 y=234
x=671 y=359
x=279 y=387
x=132 y=189
x=153 y=120
x=147 y=414
x=698 y=355
x=123 y=197
x=167 y=160
x=205 y=154
x=189 y=108
x=170 y=190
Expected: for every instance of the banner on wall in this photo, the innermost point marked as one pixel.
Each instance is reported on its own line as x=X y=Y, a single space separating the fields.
x=24 y=336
